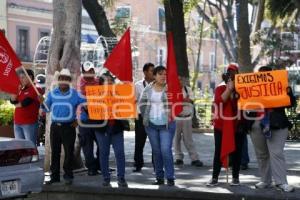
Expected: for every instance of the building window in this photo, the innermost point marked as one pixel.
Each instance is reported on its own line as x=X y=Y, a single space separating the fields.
x=23 y=43
x=123 y=12
x=44 y=33
x=161 y=56
x=161 y=20
x=212 y=61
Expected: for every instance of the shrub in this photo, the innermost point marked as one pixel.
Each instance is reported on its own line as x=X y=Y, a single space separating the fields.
x=6 y=113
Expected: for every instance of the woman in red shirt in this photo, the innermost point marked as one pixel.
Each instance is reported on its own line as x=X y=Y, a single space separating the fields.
x=27 y=109
x=225 y=127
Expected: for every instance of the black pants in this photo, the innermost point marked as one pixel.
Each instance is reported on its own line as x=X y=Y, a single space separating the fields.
x=140 y=140
x=235 y=156
x=87 y=138
x=62 y=134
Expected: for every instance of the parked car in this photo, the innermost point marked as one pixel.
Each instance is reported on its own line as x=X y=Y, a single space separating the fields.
x=19 y=172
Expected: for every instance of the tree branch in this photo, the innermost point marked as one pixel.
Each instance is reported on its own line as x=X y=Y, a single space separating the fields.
x=221 y=36
x=259 y=16
x=98 y=16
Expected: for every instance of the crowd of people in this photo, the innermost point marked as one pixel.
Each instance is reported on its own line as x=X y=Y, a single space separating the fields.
x=68 y=110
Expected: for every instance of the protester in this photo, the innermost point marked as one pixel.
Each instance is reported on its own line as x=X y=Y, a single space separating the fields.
x=27 y=109
x=86 y=126
x=111 y=133
x=154 y=109
x=184 y=129
x=245 y=155
x=140 y=133
x=63 y=102
x=269 y=133
x=225 y=104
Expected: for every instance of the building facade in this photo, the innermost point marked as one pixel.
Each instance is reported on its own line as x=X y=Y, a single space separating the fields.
x=26 y=21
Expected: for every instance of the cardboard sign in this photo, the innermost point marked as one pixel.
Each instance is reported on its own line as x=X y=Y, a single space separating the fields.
x=111 y=101
x=262 y=90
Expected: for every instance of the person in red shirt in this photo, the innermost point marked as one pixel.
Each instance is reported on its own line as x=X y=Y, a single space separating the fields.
x=27 y=109
x=86 y=131
x=225 y=105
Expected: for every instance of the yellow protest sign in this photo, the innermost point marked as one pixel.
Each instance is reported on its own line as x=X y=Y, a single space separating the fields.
x=262 y=90
x=111 y=101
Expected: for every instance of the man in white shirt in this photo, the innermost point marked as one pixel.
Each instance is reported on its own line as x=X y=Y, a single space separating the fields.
x=140 y=133
x=184 y=129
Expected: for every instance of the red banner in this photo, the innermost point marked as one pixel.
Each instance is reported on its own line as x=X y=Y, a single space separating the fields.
x=119 y=62
x=174 y=88
x=9 y=62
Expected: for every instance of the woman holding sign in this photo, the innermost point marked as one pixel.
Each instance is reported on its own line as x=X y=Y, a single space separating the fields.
x=153 y=106
x=269 y=133
x=111 y=133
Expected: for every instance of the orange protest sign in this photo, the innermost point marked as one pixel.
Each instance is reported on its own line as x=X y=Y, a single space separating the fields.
x=111 y=101
x=262 y=90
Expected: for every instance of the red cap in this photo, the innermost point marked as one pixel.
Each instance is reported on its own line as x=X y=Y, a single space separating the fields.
x=232 y=66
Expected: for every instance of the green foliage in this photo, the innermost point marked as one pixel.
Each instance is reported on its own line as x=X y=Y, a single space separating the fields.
x=119 y=26
x=280 y=8
x=6 y=113
x=189 y=5
x=107 y=3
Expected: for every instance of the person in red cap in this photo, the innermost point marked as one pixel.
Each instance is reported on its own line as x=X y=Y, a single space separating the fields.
x=225 y=104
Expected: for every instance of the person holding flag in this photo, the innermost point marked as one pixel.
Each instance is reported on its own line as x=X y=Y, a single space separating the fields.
x=27 y=106
x=154 y=109
x=23 y=92
x=160 y=103
x=228 y=138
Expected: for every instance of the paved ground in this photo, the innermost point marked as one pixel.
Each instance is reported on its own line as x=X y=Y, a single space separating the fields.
x=191 y=179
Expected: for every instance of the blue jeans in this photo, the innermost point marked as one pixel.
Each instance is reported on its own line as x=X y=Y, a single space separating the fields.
x=87 y=138
x=105 y=139
x=26 y=131
x=161 y=140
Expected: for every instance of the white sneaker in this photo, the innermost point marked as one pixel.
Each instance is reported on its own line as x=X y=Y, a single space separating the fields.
x=262 y=185
x=285 y=188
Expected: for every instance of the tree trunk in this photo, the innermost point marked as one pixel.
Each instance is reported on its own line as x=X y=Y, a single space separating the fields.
x=98 y=16
x=64 y=52
x=175 y=24
x=243 y=36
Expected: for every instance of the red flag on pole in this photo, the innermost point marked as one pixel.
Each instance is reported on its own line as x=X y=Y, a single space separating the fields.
x=228 y=142
x=174 y=87
x=9 y=62
x=119 y=62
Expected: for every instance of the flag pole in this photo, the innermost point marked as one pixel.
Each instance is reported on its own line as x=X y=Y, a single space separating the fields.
x=34 y=87
x=227 y=170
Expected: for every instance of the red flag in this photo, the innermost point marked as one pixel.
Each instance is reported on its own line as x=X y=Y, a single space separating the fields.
x=9 y=62
x=174 y=87
x=228 y=132
x=119 y=62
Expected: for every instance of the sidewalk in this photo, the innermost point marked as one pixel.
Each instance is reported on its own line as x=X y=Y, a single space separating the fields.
x=190 y=181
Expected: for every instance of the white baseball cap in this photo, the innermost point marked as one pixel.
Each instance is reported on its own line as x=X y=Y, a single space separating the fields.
x=87 y=66
x=65 y=72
